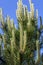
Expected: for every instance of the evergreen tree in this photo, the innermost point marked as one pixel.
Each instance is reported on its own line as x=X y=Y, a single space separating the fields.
x=21 y=43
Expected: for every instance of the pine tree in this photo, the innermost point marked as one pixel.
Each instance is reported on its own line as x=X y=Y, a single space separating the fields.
x=20 y=44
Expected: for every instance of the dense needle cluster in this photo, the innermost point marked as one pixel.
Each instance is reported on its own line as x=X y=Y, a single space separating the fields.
x=17 y=46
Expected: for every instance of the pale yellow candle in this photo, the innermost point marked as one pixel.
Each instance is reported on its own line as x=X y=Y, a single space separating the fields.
x=38 y=50
x=21 y=36
x=36 y=13
x=25 y=40
x=8 y=22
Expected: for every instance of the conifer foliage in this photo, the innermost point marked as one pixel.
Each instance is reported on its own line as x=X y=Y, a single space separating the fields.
x=19 y=44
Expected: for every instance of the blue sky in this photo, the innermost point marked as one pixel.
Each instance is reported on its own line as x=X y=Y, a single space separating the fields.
x=9 y=7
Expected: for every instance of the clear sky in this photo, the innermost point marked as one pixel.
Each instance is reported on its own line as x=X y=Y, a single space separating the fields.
x=9 y=7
